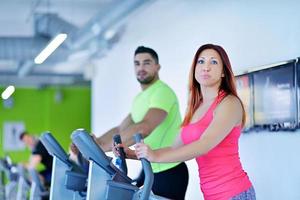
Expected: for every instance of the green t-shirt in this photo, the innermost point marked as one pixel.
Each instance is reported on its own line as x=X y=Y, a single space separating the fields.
x=161 y=96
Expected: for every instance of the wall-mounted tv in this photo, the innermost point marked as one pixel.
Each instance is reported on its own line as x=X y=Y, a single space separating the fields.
x=275 y=95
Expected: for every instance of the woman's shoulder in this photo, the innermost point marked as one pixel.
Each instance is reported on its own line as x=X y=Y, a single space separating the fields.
x=231 y=107
x=231 y=101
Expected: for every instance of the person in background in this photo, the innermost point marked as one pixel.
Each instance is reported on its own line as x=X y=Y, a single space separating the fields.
x=39 y=154
x=211 y=129
x=76 y=156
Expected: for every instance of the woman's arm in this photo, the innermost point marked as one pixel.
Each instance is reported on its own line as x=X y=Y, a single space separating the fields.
x=227 y=115
x=130 y=154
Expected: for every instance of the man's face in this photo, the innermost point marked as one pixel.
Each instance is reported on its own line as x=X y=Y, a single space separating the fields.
x=27 y=140
x=146 y=69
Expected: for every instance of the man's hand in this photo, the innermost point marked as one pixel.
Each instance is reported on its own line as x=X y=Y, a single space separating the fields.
x=128 y=152
x=35 y=159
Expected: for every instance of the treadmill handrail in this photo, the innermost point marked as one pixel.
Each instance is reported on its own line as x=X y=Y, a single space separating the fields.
x=149 y=177
x=90 y=150
x=54 y=148
x=35 y=178
x=122 y=158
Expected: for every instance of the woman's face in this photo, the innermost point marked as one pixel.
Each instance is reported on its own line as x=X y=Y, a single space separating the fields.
x=209 y=68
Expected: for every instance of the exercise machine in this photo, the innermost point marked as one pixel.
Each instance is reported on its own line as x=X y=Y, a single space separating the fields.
x=68 y=180
x=105 y=180
x=37 y=189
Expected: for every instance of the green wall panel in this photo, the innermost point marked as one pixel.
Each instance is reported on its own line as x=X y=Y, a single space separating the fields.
x=40 y=112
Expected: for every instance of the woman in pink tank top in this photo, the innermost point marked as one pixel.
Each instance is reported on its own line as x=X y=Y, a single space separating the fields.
x=211 y=129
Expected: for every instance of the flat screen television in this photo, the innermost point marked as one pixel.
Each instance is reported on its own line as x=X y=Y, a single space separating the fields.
x=275 y=95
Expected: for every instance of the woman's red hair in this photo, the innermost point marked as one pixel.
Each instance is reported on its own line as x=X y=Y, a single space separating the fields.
x=227 y=83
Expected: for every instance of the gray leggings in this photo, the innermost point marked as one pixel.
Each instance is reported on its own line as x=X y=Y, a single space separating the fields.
x=246 y=195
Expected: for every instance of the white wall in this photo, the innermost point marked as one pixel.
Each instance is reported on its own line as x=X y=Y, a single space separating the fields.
x=253 y=33
x=272 y=161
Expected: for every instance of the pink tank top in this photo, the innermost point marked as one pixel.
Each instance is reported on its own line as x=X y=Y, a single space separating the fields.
x=220 y=170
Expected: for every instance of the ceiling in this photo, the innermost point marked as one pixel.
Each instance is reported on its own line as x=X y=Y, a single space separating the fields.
x=93 y=27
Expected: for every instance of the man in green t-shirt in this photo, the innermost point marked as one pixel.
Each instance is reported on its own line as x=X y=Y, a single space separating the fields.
x=155 y=114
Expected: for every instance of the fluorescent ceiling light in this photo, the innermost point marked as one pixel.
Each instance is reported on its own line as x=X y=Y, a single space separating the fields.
x=58 y=40
x=109 y=34
x=96 y=29
x=8 y=92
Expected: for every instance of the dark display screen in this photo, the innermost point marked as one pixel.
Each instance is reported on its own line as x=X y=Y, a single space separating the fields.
x=274 y=95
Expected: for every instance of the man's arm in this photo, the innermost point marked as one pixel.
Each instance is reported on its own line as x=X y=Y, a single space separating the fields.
x=105 y=140
x=128 y=128
x=34 y=160
x=152 y=119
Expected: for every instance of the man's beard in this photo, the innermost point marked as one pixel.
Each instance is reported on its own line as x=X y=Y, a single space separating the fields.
x=146 y=81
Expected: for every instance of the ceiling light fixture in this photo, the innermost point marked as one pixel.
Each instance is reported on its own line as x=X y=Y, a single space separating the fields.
x=8 y=92
x=109 y=34
x=50 y=48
